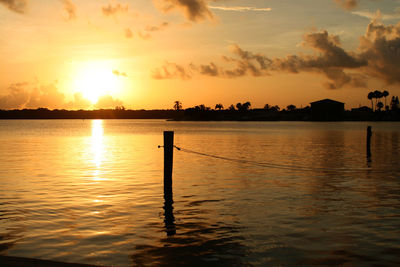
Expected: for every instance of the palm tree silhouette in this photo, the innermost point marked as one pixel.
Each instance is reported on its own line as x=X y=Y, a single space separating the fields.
x=219 y=106
x=247 y=105
x=377 y=95
x=177 y=105
x=385 y=94
x=370 y=96
x=379 y=105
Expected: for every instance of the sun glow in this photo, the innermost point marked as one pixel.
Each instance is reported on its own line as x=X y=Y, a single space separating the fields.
x=96 y=80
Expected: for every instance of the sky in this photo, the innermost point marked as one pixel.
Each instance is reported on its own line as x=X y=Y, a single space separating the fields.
x=146 y=54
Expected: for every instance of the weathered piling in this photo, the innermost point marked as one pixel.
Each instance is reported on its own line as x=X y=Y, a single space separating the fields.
x=369 y=134
x=168 y=197
x=168 y=158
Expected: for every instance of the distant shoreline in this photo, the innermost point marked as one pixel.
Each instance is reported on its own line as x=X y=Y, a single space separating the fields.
x=204 y=115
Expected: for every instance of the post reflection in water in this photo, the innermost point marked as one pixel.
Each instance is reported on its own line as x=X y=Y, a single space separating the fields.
x=169 y=218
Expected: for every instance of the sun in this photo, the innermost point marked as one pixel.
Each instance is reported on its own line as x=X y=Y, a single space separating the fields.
x=96 y=80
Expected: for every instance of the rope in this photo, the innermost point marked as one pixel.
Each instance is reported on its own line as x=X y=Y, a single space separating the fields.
x=282 y=166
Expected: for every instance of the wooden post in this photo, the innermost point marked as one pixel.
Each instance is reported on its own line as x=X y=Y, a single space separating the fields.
x=369 y=134
x=168 y=158
x=168 y=198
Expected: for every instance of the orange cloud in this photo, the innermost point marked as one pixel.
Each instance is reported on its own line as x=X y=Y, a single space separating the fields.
x=19 y=96
x=347 y=4
x=111 y=10
x=18 y=6
x=70 y=8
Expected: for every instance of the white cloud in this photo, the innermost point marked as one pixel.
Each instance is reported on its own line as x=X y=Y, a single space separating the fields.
x=240 y=8
x=376 y=15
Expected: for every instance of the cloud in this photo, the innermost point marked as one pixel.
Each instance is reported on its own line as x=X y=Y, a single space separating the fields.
x=22 y=95
x=171 y=71
x=347 y=4
x=210 y=70
x=376 y=15
x=128 y=33
x=378 y=56
x=380 y=47
x=16 y=98
x=330 y=59
x=144 y=36
x=161 y=27
x=46 y=96
x=118 y=73
x=194 y=10
x=18 y=6
x=107 y=101
x=111 y=10
x=240 y=8
x=70 y=8
x=79 y=102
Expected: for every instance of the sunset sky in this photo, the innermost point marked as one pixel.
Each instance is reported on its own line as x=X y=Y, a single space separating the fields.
x=143 y=54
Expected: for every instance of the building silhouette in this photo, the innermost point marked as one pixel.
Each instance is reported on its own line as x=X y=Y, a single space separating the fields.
x=327 y=110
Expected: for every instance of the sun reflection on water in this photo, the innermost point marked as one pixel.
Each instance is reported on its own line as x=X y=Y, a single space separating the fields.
x=98 y=148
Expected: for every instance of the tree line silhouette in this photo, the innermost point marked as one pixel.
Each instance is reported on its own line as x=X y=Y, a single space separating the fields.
x=239 y=111
x=378 y=106
x=243 y=111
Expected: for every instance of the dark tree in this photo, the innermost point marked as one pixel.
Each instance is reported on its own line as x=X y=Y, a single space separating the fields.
x=291 y=107
x=219 y=106
x=370 y=96
x=377 y=95
x=275 y=108
x=385 y=94
x=379 y=105
x=246 y=106
x=177 y=105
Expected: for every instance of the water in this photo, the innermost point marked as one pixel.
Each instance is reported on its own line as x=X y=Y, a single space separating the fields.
x=92 y=192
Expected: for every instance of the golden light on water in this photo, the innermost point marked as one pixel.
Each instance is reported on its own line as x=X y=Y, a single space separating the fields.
x=97 y=147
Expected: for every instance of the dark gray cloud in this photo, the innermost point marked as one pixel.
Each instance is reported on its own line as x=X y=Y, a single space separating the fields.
x=194 y=10
x=70 y=8
x=118 y=73
x=347 y=4
x=340 y=67
x=330 y=61
x=111 y=10
x=210 y=69
x=18 y=6
x=380 y=47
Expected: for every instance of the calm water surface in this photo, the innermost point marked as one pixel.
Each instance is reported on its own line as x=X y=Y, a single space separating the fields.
x=92 y=192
